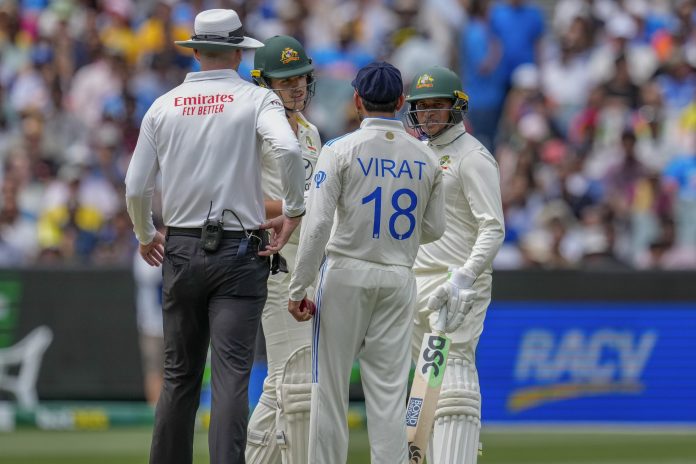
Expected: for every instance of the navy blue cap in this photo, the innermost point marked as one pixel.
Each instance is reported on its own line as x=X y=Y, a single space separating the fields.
x=379 y=82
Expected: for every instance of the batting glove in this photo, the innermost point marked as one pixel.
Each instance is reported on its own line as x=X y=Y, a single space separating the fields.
x=457 y=296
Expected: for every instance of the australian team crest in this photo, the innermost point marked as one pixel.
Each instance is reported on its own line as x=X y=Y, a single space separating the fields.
x=310 y=144
x=425 y=81
x=445 y=162
x=289 y=55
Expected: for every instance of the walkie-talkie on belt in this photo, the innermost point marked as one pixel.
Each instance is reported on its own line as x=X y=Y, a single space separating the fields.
x=211 y=235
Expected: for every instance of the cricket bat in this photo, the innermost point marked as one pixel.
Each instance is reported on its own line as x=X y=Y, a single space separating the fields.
x=425 y=390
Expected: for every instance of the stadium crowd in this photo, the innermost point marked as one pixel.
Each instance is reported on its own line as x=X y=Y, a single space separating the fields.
x=589 y=107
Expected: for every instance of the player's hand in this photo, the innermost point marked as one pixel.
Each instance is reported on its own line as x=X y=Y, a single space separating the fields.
x=461 y=298
x=456 y=296
x=302 y=310
x=281 y=228
x=438 y=299
x=459 y=305
x=153 y=252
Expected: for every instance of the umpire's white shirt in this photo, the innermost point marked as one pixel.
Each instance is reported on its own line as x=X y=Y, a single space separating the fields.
x=205 y=137
x=475 y=224
x=386 y=229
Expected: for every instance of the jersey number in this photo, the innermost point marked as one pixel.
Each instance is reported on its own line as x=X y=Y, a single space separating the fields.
x=376 y=195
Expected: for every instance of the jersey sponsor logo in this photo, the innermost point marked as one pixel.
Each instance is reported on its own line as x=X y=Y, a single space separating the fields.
x=425 y=81
x=319 y=177
x=309 y=169
x=578 y=364
x=203 y=99
x=413 y=411
x=199 y=105
x=385 y=167
x=309 y=172
x=288 y=55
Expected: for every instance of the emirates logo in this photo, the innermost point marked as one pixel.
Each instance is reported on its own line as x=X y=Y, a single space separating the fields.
x=288 y=55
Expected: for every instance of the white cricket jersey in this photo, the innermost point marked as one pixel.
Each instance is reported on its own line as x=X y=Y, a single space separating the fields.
x=205 y=138
x=386 y=190
x=473 y=207
x=310 y=144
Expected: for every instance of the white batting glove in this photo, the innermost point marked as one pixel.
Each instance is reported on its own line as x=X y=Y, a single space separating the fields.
x=457 y=296
x=438 y=299
x=461 y=293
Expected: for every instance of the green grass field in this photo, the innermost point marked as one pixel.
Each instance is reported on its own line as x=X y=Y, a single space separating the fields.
x=501 y=446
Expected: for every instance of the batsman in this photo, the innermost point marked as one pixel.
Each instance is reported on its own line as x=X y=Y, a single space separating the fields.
x=279 y=427
x=455 y=271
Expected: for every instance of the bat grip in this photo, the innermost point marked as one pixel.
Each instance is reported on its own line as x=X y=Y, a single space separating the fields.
x=441 y=320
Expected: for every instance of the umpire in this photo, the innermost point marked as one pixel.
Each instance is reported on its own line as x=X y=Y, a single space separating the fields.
x=204 y=137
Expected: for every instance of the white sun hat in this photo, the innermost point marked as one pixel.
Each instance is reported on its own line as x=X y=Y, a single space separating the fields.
x=218 y=29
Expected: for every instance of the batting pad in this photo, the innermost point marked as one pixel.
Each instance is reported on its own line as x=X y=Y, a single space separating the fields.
x=458 y=416
x=261 y=446
x=294 y=398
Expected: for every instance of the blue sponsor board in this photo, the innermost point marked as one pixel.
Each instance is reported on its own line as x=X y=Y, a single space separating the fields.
x=589 y=361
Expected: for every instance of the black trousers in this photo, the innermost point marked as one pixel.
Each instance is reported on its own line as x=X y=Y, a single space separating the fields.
x=208 y=298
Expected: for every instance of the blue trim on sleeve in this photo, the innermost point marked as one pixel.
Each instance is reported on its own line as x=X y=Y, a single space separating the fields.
x=316 y=322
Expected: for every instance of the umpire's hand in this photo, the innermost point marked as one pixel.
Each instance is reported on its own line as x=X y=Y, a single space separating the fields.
x=281 y=227
x=153 y=252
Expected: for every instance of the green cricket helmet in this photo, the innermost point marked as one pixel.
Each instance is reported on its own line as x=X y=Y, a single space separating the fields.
x=436 y=82
x=282 y=57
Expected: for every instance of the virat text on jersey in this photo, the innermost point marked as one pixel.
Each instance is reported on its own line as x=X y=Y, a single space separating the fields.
x=378 y=167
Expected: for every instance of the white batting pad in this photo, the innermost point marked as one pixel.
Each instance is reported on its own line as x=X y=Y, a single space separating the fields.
x=458 y=416
x=261 y=446
x=294 y=398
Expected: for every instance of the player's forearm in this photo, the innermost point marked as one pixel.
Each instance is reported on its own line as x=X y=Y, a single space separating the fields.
x=308 y=260
x=481 y=185
x=292 y=178
x=314 y=236
x=140 y=186
x=316 y=227
x=434 y=222
x=488 y=242
x=274 y=208
x=273 y=127
x=140 y=211
x=431 y=232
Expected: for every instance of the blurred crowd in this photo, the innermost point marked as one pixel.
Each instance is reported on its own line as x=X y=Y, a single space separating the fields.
x=589 y=107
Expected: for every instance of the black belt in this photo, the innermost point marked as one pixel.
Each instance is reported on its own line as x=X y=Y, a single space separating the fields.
x=196 y=232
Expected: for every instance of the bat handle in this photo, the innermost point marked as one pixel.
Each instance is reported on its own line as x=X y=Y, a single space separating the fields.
x=441 y=320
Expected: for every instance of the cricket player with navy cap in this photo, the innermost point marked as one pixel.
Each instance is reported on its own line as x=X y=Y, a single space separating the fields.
x=384 y=188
